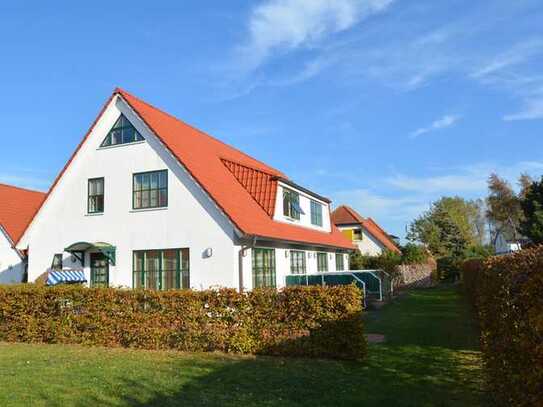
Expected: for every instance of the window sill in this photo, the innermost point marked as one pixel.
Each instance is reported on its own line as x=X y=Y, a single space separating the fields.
x=94 y=214
x=120 y=145
x=162 y=208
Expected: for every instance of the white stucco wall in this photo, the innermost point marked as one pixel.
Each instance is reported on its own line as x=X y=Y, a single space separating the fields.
x=11 y=265
x=191 y=219
x=369 y=245
x=305 y=205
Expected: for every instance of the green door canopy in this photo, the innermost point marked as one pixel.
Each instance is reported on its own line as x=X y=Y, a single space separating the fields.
x=105 y=248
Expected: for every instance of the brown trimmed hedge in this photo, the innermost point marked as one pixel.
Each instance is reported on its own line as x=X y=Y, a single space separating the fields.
x=507 y=292
x=296 y=321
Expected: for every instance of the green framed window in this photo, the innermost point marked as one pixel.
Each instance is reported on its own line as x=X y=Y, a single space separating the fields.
x=297 y=262
x=263 y=268
x=291 y=204
x=322 y=262
x=56 y=264
x=122 y=132
x=150 y=190
x=161 y=269
x=340 y=264
x=95 y=198
x=316 y=213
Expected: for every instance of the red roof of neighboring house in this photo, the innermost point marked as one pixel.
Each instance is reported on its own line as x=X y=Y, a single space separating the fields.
x=241 y=186
x=17 y=206
x=345 y=215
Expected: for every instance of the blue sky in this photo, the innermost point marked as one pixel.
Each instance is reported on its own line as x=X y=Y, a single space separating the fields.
x=384 y=105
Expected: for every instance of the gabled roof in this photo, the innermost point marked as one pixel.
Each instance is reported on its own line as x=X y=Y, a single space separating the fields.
x=17 y=206
x=241 y=186
x=345 y=215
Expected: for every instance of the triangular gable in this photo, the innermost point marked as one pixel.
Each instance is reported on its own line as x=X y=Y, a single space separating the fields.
x=261 y=185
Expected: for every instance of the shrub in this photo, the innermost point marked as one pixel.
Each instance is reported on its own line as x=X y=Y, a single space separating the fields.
x=296 y=321
x=507 y=292
x=448 y=268
x=414 y=254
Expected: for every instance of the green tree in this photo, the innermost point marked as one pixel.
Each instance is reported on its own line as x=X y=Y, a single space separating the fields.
x=532 y=207
x=504 y=212
x=450 y=226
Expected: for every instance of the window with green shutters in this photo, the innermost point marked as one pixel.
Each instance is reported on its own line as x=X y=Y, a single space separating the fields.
x=316 y=213
x=161 y=269
x=340 y=265
x=263 y=268
x=322 y=262
x=150 y=190
x=297 y=262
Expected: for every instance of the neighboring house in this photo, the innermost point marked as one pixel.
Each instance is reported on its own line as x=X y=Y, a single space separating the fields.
x=365 y=233
x=17 y=206
x=149 y=201
x=503 y=246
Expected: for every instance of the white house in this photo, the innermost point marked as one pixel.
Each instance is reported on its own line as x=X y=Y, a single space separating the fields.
x=149 y=201
x=17 y=206
x=365 y=233
x=504 y=246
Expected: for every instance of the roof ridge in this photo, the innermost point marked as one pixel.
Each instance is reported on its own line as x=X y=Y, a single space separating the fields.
x=22 y=188
x=122 y=92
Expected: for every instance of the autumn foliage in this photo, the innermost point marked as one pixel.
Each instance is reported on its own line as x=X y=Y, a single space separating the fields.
x=297 y=321
x=507 y=293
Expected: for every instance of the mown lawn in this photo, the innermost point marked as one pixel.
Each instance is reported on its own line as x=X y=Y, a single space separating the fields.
x=430 y=358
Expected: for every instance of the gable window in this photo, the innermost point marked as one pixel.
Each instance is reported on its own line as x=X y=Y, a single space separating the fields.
x=161 y=269
x=150 y=190
x=291 y=204
x=357 y=234
x=263 y=268
x=322 y=262
x=95 y=202
x=57 y=262
x=297 y=262
x=122 y=132
x=316 y=213
x=340 y=266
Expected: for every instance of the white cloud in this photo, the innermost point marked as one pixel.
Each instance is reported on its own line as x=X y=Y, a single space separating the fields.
x=533 y=110
x=438 y=124
x=282 y=25
x=441 y=184
x=516 y=55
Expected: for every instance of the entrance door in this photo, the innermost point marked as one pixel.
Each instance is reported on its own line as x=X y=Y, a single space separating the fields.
x=99 y=265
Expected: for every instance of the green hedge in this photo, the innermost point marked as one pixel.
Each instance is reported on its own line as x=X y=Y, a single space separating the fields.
x=296 y=321
x=507 y=292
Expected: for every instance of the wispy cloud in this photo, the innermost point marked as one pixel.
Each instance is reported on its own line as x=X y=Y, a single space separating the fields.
x=277 y=26
x=516 y=55
x=533 y=110
x=396 y=200
x=438 y=124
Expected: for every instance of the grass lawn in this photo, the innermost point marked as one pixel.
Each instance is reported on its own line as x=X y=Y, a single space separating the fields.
x=430 y=358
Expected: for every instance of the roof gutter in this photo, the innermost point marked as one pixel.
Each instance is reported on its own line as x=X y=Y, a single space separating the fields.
x=307 y=191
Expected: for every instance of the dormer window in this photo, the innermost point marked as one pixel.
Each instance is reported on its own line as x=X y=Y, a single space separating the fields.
x=122 y=132
x=316 y=213
x=291 y=204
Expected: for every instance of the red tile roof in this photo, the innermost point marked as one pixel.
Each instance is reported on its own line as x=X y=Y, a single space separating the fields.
x=261 y=185
x=345 y=215
x=241 y=186
x=17 y=206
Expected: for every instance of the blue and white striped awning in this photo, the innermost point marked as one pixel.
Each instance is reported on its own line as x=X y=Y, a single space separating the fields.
x=66 y=276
